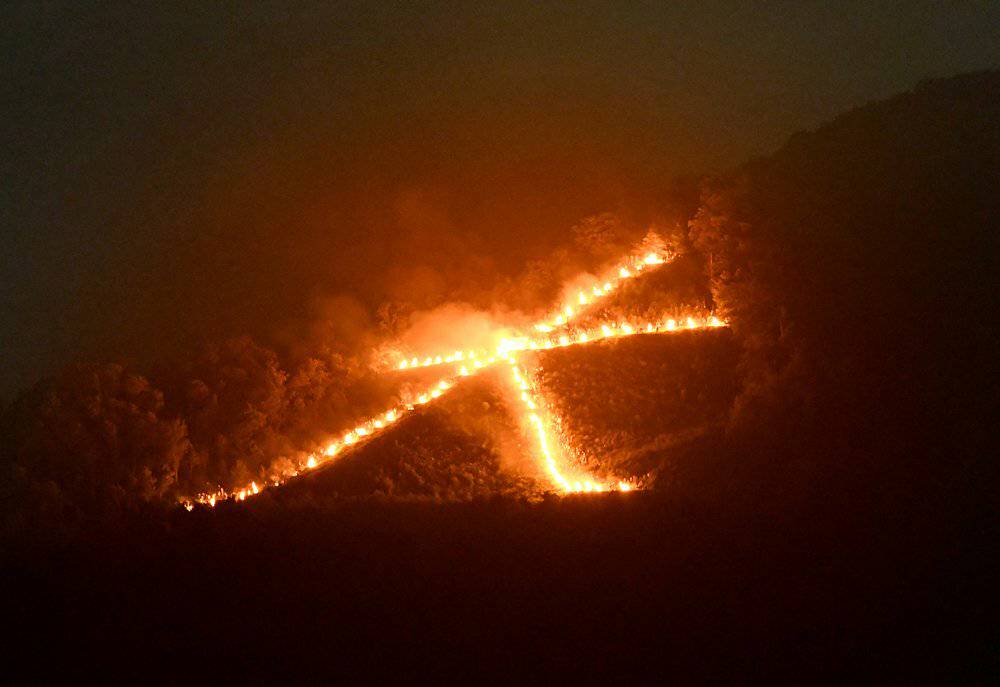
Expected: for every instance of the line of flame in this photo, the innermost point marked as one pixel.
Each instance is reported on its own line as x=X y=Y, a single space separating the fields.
x=362 y=432
x=366 y=429
x=473 y=360
x=539 y=419
x=629 y=268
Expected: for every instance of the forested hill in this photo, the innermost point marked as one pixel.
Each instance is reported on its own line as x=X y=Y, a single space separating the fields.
x=857 y=266
x=832 y=514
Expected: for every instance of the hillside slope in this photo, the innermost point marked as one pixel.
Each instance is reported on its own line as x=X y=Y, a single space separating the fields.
x=858 y=267
x=831 y=518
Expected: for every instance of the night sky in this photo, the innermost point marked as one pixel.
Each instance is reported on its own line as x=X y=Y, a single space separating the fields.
x=180 y=171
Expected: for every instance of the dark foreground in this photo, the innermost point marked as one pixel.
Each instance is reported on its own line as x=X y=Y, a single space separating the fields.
x=618 y=586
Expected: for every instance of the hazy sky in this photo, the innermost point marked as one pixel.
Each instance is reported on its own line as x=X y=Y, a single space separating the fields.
x=175 y=171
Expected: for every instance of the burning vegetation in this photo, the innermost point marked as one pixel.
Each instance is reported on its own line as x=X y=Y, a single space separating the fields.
x=238 y=420
x=570 y=325
x=793 y=389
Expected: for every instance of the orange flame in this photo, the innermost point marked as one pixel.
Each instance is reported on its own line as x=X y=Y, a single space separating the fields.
x=365 y=429
x=628 y=268
x=548 y=447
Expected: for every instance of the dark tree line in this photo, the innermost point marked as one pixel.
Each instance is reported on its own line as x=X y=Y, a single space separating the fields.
x=857 y=265
x=103 y=438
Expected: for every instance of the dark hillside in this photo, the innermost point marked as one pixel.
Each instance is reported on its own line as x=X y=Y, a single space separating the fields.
x=825 y=504
x=614 y=586
x=858 y=267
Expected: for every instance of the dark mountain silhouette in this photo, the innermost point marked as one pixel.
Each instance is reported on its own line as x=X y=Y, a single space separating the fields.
x=857 y=265
x=832 y=514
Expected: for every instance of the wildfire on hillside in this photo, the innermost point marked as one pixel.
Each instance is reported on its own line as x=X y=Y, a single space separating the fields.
x=538 y=420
